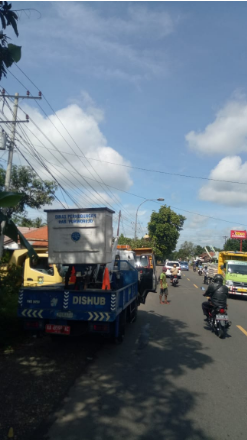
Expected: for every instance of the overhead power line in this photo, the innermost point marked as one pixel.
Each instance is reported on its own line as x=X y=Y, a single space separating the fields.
x=26 y=143
x=144 y=169
x=79 y=157
x=166 y=172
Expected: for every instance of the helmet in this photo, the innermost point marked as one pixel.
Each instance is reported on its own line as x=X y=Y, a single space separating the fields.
x=164 y=269
x=174 y=265
x=218 y=279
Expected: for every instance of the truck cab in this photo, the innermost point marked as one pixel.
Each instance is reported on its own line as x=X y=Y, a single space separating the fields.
x=235 y=276
x=145 y=264
x=233 y=267
x=36 y=272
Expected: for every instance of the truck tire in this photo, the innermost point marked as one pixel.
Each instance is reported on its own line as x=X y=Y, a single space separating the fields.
x=134 y=312
x=121 y=331
x=122 y=323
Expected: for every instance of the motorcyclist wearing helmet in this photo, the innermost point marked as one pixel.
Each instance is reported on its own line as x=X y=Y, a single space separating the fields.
x=217 y=294
x=174 y=271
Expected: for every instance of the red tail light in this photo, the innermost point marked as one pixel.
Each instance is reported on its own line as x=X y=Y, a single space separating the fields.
x=222 y=310
x=140 y=271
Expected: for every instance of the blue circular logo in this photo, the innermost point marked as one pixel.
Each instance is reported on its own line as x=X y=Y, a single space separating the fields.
x=76 y=236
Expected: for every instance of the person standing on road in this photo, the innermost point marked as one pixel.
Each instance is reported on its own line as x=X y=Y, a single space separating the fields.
x=163 y=286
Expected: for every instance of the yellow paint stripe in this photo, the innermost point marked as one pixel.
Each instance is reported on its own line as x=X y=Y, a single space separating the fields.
x=195 y=286
x=188 y=279
x=242 y=330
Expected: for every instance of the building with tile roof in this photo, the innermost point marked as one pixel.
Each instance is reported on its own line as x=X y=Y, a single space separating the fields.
x=37 y=237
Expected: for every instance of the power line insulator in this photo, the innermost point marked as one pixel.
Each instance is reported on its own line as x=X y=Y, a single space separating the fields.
x=27 y=117
x=28 y=93
x=40 y=94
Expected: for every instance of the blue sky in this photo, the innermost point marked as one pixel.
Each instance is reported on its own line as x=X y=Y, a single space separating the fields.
x=157 y=85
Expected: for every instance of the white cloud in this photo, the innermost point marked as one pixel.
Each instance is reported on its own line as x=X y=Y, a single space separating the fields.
x=226 y=135
x=229 y=168
x=66 y=159
x=196 y=221
x=120 y=44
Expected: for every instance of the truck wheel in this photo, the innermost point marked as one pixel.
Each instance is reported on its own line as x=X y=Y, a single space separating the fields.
x=122 y=323
x=134 y=312
x=121 y=330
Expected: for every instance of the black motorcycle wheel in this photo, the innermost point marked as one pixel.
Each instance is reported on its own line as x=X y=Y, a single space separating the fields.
x=222 y=332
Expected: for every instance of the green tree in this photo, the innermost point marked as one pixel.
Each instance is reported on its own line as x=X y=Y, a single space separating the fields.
x=124 y=240
x=24 y=221
x=198 y=250
x=35 y=192
x=135 y=243
x=2 y=178
x=164 y=228
x=186 y=250
x=9 y=53
x=234 y=245
x=9 y=200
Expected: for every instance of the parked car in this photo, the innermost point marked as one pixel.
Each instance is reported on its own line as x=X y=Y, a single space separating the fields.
x=184 y=265
x=169 y=264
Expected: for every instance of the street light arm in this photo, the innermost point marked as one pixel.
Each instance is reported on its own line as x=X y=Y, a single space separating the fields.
x=144 y=201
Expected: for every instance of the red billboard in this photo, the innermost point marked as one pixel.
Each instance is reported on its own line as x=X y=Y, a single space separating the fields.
x=241 y=235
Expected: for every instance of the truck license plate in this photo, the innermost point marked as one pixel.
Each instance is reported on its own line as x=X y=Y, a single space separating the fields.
x=58 y=329
x=222 y=317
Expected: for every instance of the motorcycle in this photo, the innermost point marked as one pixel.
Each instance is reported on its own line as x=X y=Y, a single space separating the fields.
x=218 y=321
x=194 y=268
x=200 y=272
x=174 y=280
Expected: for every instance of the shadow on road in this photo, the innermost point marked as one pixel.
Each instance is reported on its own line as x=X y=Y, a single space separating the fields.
x=35 y=379
x=136 y=393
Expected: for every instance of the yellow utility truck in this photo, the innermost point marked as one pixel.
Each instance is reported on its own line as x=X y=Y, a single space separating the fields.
x=233 y=266
x=36 y=272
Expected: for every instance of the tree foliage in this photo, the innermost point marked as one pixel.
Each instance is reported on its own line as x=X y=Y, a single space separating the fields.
x=8 y=200
x=135 y=243
x=9 y=53
x=164 y=228
x=25 y=221
x=36 y=193
x=198 y=250
x=186 y=250
x=189 y=250
x=234 y=245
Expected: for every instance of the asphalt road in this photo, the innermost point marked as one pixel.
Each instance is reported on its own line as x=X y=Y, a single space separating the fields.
x=173 y=381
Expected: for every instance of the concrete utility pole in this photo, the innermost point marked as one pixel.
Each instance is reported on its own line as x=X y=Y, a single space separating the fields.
x=12 y=146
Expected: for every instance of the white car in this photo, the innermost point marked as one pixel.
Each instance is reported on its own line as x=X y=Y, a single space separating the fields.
x=169 y=264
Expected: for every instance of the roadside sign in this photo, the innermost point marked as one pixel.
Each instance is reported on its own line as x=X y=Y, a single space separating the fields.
x=240 y=235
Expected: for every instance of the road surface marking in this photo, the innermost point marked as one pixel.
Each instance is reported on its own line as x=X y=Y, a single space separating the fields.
x=195 y=286
x=188 y=279
x=242 y=329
